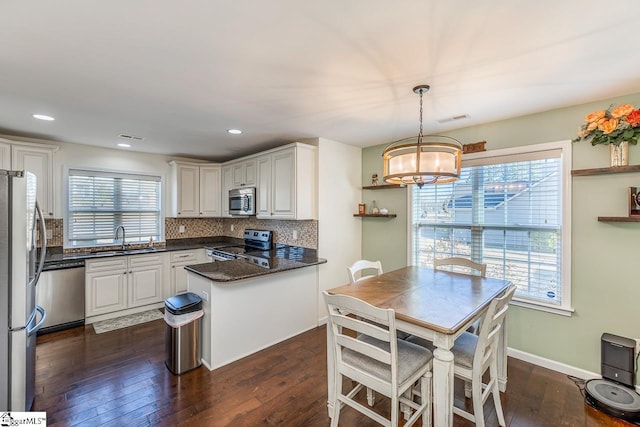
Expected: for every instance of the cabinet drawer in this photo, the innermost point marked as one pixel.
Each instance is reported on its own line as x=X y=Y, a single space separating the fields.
x=147 y=259
x=180 y=256
x=114 y=263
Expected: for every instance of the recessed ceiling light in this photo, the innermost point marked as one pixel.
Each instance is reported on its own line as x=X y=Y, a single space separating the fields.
x=43 y=117
x=124 y=145
x=234 y=131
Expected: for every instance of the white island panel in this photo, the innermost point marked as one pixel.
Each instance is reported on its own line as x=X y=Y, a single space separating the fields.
x=244 y=316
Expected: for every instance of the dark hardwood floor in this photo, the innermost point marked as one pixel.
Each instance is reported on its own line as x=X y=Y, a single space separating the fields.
x=119 y=379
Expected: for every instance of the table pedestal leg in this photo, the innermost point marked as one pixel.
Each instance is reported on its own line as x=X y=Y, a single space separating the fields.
x=442 y=387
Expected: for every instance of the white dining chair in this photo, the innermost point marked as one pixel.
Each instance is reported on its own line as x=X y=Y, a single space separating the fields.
x=363 y=269
x=467 y=265
x=377 y=359
x=474 y=354
x=360 y=270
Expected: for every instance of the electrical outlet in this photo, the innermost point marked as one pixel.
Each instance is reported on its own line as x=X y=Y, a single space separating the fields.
x=205 y=296
x=181 y=229
x=232 y=227
x=295 y=234
x=49 y=233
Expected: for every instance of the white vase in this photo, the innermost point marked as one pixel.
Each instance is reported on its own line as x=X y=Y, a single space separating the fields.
x=619 y=154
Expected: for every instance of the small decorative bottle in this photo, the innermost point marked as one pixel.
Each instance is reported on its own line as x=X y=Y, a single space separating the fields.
x=374 y=208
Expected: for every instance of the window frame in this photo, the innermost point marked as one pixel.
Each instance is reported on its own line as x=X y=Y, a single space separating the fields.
x=565 y=308
x=66 y=213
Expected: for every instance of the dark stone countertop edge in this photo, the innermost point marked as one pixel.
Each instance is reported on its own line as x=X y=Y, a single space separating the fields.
x=56 y=259
x=241 y=276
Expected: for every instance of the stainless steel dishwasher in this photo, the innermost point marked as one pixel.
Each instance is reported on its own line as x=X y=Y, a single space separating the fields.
x=60 y=292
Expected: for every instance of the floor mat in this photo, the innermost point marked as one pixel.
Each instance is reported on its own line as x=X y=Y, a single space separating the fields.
x=125 y=321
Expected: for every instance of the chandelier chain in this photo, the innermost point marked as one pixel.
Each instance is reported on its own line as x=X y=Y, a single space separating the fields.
x=420 y=133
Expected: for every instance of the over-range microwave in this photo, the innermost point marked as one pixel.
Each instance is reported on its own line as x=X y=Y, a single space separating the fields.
x=242 y=201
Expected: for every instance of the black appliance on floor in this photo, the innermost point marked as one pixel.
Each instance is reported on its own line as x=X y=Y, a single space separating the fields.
x=615 y=393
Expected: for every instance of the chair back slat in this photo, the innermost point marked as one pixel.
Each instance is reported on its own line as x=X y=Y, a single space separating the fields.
x=465 y=263
x=346 y=341
x=361 y=327
x=359 y=268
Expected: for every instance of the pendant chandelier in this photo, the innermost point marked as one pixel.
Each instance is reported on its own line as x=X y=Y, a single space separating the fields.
x=430 y=159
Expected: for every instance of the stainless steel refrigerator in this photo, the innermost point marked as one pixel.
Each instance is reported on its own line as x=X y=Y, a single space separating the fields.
x=20 y=265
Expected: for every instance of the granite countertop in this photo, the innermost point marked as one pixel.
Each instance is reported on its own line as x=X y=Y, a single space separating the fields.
x=282 y=258
x=56 y=258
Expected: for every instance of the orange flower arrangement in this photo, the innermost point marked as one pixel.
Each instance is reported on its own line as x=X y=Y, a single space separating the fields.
x=611 y=126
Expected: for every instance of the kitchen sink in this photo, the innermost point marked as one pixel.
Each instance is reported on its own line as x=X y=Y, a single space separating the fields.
x=107 y=253
x=124 y=252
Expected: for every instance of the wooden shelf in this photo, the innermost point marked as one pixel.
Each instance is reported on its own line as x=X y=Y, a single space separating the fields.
x=619 y=218
x=604 y=171
x=376 y=215
x=382 y=187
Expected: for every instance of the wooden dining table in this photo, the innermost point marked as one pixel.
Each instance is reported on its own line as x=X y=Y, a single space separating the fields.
x=436 y=305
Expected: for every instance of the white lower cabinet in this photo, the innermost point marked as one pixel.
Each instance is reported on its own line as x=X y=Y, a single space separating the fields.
x=123 y=282
x=105 y=286
x=180 y=259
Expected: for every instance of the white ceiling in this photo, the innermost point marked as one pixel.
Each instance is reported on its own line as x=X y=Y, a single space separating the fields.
x=179 y=73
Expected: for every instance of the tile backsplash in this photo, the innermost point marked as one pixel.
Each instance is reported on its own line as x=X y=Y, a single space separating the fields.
x=283 y=230
x=55 y=230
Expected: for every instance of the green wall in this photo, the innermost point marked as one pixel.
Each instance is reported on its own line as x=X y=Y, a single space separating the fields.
x=605 y=258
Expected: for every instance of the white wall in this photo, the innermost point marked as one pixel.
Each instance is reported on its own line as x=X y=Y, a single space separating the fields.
x=339 y=232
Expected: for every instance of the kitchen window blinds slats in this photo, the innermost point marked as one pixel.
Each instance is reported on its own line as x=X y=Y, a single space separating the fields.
x=101 y=201
x=505 y=211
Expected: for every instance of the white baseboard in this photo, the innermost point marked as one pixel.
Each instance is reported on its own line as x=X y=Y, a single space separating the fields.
x=323 y=320
x=556 y=366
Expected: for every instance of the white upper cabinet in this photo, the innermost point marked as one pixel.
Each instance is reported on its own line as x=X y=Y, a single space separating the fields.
x=210 y=184
x=244 y=173
x=263 y=190
x=37 y=159
x=195 y=190
x=227 y=184
x=286 y=184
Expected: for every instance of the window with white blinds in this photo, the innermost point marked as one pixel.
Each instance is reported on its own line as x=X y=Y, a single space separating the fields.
x=508 y=210
x=100 y=201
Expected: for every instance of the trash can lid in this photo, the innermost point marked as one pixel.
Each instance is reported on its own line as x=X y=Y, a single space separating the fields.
x=183 y=303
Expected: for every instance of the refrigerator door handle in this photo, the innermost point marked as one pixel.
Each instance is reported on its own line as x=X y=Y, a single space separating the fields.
x=43 y=241
x=43 y=313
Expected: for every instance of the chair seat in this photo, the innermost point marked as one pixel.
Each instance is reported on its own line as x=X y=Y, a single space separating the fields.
x=463 y=349
x=411 y=357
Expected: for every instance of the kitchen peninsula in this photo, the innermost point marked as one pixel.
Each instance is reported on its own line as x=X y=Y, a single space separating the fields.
x=256 y=301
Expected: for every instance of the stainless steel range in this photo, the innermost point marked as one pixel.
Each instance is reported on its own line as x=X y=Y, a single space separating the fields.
x=254 y=240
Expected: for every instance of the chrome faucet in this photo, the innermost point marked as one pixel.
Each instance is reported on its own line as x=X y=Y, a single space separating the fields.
x=115 y=237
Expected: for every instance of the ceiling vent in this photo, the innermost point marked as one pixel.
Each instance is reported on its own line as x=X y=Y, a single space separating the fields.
x=454 y=118
x=132 y=137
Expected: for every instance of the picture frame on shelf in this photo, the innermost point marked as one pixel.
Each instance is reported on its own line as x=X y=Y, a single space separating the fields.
x=634 y=201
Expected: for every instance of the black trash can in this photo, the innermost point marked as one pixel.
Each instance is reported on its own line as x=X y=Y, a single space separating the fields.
x=183 y=315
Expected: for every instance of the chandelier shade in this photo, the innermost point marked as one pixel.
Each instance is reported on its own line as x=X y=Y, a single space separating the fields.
x=436 y=161
x=430 y=159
